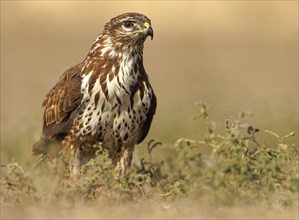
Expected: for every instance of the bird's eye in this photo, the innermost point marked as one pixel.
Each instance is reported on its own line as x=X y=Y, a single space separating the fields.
x=128 y=24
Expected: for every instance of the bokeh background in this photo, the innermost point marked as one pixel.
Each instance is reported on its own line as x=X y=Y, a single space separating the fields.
x=233 y=55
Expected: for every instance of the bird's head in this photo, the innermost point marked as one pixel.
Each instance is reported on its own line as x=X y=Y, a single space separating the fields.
x=129 y=29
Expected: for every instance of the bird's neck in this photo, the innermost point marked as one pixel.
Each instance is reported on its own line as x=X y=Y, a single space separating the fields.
x=106 y=47
x=106 y=62
x=106 y=52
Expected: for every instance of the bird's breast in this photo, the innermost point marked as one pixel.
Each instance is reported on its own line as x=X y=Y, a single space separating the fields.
x=115 y=100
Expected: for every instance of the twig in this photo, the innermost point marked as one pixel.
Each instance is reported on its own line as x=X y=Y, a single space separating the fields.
x=19 y=167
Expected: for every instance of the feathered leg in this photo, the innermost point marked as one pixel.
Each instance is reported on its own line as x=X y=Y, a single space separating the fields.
x=122 y=161
x=75 y=162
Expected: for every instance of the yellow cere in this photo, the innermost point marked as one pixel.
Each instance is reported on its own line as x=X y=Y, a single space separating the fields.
x=146 y=24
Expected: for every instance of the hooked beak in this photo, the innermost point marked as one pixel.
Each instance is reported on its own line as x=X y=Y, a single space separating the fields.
x=148 y=30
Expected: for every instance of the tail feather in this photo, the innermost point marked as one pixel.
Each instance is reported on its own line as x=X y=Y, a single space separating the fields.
x=46 y=146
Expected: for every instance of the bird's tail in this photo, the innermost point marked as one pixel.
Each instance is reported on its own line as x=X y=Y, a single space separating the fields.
x=46 y=146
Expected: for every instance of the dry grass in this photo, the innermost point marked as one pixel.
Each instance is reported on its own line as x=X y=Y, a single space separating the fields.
x=228 y=172
x=151 y=210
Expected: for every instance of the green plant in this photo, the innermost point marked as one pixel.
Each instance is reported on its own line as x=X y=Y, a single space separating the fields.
x=225 y=168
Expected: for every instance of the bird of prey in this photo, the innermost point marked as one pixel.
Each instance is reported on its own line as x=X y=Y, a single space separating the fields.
x=106 y=100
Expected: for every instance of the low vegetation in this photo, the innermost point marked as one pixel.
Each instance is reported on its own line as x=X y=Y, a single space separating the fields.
x=228 y=167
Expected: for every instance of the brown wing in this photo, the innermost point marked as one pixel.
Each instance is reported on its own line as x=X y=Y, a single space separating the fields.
x=147 y=124
x=61 y=103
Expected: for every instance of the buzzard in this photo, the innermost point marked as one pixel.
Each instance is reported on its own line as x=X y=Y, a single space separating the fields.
x=106 y=100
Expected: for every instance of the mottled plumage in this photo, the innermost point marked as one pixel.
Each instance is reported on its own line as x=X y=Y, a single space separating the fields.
x=106 y=100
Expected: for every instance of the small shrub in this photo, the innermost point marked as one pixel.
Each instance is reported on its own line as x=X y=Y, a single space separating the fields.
x=239 y=169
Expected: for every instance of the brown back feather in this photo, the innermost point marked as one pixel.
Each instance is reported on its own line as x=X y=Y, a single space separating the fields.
x=61 y=102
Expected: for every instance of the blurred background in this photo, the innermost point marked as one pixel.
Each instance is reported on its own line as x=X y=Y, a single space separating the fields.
x=234 y=55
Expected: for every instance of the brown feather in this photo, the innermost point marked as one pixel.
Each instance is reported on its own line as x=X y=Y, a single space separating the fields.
x=61 y=101
x=149 y=117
